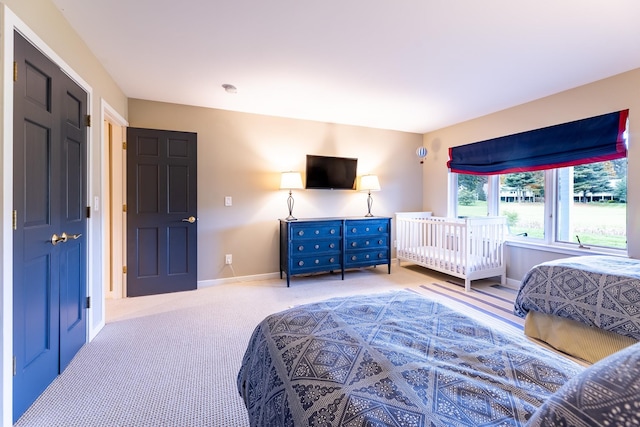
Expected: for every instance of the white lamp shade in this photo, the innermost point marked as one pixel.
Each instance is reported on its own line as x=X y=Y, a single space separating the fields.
x=290 y=181
x=369 y=183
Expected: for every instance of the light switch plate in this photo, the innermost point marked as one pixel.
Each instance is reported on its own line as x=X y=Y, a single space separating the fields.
x=228 y=201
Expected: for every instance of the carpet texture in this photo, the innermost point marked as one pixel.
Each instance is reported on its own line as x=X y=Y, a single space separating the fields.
x=172 y=359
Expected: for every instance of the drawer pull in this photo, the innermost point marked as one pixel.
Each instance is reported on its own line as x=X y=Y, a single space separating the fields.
x=317 y=231
x=380 y=241
x=300 y=263
x=332 y=245
x=353 y=258
x=301 y=233
x=317 y=246
x=367 y=256
x=317 y=261
x=333 y=231
x=380 y=255
x=366 y=229
x=353 y=230
x=366 y=243
x=380 y=228
x=354 y=244
x=332 y=260
x=300 y=248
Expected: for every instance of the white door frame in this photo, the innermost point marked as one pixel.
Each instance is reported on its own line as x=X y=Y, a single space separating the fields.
x=114 y=232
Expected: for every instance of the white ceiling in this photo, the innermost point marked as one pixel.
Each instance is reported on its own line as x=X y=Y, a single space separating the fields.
x=411 y=65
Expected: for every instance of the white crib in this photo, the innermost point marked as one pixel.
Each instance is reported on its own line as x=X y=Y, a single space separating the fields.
x=467 y=248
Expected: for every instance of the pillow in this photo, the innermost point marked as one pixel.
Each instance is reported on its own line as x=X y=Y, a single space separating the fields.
x=605 y=394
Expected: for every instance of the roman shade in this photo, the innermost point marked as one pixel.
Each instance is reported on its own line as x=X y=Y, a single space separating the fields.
x=590 y=140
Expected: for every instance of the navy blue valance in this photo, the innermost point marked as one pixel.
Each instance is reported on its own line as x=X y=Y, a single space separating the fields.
x=595 y=139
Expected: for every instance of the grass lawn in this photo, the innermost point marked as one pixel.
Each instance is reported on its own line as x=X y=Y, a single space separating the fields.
x=597 y=224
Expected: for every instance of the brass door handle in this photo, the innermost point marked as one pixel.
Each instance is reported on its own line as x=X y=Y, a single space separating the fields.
x=63 y=238
x=55 y=239
x=190 y=220
x=71 y=236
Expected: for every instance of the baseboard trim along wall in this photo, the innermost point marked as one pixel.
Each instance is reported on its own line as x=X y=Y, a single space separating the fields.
x=236 y=279
x=511 y=283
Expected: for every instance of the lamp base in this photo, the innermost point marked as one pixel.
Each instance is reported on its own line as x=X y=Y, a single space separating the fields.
x=369 y=204
x=290 y=206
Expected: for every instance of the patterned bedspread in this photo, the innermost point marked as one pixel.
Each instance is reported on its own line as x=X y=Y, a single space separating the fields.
x=601 y=291
x=392 y=359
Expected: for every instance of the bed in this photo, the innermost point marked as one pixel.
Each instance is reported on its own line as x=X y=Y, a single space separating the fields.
x=586 y=306
x=395 y=359
x=468 y=248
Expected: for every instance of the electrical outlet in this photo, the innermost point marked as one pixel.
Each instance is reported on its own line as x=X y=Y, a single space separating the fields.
x=228 y=259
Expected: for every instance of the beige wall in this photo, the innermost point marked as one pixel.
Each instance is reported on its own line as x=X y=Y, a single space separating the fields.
x=241 y=155
x=612 y=94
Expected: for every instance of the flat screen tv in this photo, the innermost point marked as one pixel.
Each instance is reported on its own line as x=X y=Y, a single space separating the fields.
x=334 y=173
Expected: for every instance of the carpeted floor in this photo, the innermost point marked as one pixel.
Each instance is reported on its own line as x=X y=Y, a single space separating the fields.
x=172 y=359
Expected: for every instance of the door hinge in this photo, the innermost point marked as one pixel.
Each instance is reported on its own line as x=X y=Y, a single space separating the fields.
x=15 y=366
x=88 y=211
x=124 y=269
x=88 y=302
x=124 y=145
x=15 y=71
x=87 y=120
x=14 y=220
x=124 y=208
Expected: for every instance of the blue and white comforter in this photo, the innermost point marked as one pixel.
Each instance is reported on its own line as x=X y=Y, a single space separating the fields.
x=392 y=359
x=600 y=291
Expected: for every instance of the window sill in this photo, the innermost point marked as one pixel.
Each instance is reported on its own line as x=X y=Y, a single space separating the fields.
x=572 y=250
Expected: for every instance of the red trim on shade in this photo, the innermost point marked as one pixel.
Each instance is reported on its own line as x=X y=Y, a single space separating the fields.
x=621 y=145
x=544 y=167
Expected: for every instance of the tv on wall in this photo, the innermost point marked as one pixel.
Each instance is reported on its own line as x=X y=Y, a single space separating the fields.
x=334 y=173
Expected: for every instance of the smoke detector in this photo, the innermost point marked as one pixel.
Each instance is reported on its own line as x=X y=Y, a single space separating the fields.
x=229 y=88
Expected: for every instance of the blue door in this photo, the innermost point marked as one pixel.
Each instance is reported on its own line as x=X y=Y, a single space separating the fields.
x=49 y=289
x=162 y=228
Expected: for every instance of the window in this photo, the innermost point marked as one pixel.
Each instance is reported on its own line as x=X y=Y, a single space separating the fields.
x=591 y=207
x=522 y=203
x=472 y=195
x=586 y=203
x=563 y=184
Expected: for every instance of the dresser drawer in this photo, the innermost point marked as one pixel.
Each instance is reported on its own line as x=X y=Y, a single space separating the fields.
x=315 y=231
x=366 y=228
x=380 y=241
x=365 y=258
x=311 y=263
x=306 y=247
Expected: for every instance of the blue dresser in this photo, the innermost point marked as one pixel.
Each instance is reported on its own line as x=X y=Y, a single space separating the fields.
x=316 y=245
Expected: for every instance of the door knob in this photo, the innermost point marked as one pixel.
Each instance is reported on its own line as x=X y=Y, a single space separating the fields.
x=190 y=220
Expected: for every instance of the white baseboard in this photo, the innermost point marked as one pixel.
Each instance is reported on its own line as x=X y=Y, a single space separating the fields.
x=513 y=284
x=236 y=279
